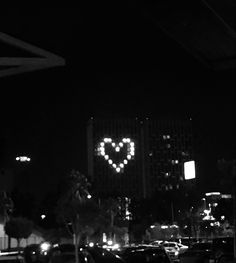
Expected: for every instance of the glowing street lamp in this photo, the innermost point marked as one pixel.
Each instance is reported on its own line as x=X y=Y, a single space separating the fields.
x=23 y=159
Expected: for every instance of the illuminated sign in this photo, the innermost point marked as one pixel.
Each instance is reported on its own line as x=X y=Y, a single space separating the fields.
x=189 y=170
x=126 y=145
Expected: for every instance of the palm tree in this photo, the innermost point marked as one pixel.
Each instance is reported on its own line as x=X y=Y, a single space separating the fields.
x=76 y=209
x=111 y=207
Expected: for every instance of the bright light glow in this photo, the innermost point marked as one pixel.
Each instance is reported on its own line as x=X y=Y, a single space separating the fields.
x=115 y=246
x=45 y=246
x=189 y=170
x=104 y=237
x=174 y=226
x=121 y=144
x=164 y=227
x=212 y=193
x=91 y=244
x=117 y=149
x=114 y=165
x=152 y=226
x=207 y=211
x=89 y=196
x=226 y=196
x=23 y=159
x=102 y=143
x=118 y=169
x=128 y=156
x=43 y=216
x=106 y=157
x=109 y=242
x=125 y=161
x=113 y=144
x=110 y=161
x=121 y=165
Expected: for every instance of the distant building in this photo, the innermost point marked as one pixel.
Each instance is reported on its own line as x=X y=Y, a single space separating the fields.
x=168 y=144
x=136 y=158
x=116 y=171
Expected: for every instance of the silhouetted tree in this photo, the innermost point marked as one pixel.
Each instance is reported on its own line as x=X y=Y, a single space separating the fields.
x=18 y=228
x=76 y=210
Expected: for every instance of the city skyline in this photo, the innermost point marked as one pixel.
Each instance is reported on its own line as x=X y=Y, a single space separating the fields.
x=127 y=68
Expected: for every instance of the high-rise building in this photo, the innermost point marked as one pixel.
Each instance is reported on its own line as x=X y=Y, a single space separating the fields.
x=137 y=158
x=168 y=145
x=115 y=157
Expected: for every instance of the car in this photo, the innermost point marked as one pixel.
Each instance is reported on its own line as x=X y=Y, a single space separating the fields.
x=223 y=249
x=35 y=253
x=65 y=253
x=172 y=249
x=199 y=252
x=156 y=242
x=145 y=254
x=12 y=258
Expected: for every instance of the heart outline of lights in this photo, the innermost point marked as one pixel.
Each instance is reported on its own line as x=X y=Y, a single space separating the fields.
x=119 y=168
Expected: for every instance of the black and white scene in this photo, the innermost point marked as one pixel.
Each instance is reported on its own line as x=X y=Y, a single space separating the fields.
x=118 y=132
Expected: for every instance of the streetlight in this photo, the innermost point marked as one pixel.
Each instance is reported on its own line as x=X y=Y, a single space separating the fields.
x=23 y=159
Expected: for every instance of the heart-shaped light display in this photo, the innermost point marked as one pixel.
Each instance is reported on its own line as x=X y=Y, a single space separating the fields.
x=129 y=155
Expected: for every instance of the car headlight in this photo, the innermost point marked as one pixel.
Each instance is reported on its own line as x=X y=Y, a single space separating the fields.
x=176 y=253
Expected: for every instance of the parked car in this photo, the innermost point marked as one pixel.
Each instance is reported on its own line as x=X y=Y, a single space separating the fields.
x=156 y=242
x=12 y=259
x=37 y=253
x=13 y=256
x=199 y=252
x=223 y=249
x=145 y=254
x=65 y=253
x=172 y=249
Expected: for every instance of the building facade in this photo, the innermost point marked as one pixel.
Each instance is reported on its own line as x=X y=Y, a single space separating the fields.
x=137 y=158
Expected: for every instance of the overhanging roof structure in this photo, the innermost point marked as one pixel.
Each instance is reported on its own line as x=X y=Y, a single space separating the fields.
x=40 y=58
x=207 y=34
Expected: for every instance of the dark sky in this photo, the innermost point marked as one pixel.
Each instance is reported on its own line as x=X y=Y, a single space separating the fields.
x=118 y=63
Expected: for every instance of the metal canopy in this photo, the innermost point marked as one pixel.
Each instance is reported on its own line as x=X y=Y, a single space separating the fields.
x=198 y=28
x=41 y=59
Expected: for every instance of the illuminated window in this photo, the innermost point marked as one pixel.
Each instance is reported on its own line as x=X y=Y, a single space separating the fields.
x=117 y=149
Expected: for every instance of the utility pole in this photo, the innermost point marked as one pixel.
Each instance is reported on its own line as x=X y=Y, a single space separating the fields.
x=172 y=212
x=234 y=203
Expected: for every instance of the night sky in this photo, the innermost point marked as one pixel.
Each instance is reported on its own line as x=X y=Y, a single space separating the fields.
x=118 y=63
